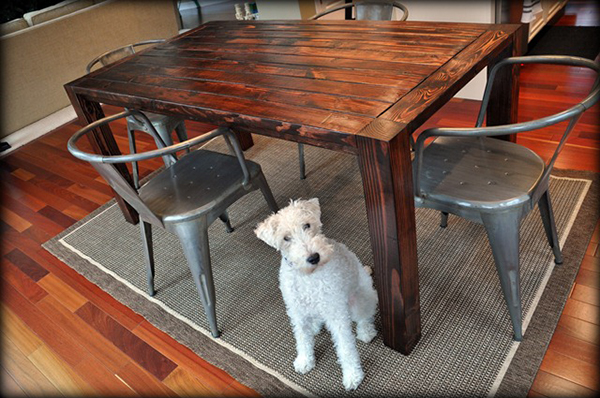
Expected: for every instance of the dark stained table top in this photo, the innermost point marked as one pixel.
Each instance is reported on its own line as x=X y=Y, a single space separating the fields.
x=320 y=82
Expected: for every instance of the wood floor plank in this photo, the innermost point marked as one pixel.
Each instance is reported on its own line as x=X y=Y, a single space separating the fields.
x=596 y=234
x=591 y=264
x=579 y=329
x=18 y=332
x=576 y=371
x=591 y=250
x=33 y=217
x=550 y=385
x=124 y=315
x=144 y=383
x=208 y=374
x=583 y=311
x=30 y=201
x=75 y=212
x=50 y=197
x=137 y=349
x=9 y=386
x=13 y=219
x=23 y=174
x=56 y=216
x=586 y=294
x=66 y=380
x=535 y=394
x=101 y=379
x=21 y=282
x=45 y=328
x=95 y=196
x=24 y=372
x=186 y=385
x=581 y=350
x=61 y=291
x=27 y=265
x=81 y=332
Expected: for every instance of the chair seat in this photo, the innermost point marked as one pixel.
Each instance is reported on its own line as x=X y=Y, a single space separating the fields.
x=173 y=194
x=479 y=173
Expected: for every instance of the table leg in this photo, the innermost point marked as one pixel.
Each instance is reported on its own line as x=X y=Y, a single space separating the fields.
x=103 y=142
x=387 y=181
x=245 y=140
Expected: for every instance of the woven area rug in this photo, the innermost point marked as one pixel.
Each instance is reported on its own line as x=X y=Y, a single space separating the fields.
x=466 y=346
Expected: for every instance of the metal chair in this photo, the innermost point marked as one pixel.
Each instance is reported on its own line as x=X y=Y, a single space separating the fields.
x=163 y=124
x=372 y=10
x=495 y=182
x=184 y=198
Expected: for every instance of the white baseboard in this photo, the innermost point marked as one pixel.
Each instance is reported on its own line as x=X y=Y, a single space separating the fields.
x=38 y=129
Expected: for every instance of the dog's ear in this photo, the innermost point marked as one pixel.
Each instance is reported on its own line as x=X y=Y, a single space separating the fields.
x=313 y=206
x=265 y=231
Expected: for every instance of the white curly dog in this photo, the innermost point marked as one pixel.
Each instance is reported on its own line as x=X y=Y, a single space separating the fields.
x=322 y=282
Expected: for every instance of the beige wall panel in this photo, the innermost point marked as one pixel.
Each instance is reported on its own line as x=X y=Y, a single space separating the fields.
x=35 y=63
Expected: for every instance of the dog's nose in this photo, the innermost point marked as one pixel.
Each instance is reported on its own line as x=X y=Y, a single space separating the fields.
x=314 y=258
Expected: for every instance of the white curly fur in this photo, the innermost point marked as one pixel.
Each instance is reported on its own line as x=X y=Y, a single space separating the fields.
x=334 y=291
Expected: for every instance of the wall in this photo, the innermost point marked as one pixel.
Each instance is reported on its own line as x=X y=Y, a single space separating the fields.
x=279 y=9
x=38 y=61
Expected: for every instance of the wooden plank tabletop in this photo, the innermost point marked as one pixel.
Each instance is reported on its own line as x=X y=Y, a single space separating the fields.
x=319 y=82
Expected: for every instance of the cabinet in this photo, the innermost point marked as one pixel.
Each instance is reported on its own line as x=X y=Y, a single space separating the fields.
x=511 y=11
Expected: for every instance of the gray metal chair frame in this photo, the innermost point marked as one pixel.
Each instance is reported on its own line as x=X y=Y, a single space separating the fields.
x=184 y=198
x=495 y=182
x=371 y=10
x=374 y=10
x=163 y=124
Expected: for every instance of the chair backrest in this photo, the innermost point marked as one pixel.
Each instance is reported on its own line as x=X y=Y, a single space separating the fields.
x=371 y=10
x=116 y=54
x=105 y=165
x=571 y=114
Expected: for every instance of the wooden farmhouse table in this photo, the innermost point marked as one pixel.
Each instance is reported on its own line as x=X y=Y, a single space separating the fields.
x=360 y=87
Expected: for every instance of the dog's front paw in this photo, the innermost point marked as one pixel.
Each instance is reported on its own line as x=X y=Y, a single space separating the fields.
x=365 y=332
x=352 y=378
x=304 y=364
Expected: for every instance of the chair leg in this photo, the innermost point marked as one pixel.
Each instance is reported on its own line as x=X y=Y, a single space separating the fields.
x=266 y=191
x=443 y=219
x=225 y=218
x=503 y=232
x=132 y=149
x=193 y=236
x=550 y=226
x=301 y=161
x=146 y=230
x=168 y=140
x=181 y=132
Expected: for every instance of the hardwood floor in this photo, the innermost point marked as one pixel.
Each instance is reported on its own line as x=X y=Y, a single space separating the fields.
x=62 y=335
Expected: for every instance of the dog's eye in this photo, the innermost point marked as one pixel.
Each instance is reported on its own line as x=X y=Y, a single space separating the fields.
x=306 y=226
x=287 y=238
